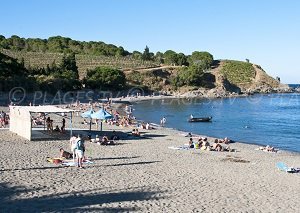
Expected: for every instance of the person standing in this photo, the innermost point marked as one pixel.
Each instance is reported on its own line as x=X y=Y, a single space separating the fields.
x=73 y=141
x=163 y=121
x=63 y=125
x=48 y=121
x=79 y=150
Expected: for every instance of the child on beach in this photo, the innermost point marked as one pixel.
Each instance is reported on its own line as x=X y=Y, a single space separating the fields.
x=79 y=150
x=73 y=146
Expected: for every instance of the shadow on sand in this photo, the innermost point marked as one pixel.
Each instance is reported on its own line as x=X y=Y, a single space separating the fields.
x=80 y=201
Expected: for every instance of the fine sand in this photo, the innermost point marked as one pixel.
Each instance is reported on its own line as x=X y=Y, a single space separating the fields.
x=144 y=175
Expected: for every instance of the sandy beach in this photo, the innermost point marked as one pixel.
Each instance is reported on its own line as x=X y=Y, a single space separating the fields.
x=142 y=174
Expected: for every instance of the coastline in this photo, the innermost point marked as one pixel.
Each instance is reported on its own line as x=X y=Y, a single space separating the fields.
x=161 y=97
x=144 y=174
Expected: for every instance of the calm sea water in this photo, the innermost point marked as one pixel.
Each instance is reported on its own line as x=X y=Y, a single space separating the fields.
x=260 y=119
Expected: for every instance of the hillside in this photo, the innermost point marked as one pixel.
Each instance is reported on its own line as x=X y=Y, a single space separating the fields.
x=84 y=62
x=148 y=74
x=60 y=63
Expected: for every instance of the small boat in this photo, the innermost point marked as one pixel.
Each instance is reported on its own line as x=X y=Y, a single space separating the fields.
x=204 y=119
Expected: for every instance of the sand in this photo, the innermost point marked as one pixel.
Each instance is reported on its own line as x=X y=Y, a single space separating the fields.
x=144 y=175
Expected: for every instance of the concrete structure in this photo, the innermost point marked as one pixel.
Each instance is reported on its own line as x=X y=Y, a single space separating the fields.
x=21 y=118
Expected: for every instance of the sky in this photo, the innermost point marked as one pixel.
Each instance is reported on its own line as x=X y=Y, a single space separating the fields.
x=267 y=32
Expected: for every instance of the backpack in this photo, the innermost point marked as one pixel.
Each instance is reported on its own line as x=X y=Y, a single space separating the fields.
x=79 y=144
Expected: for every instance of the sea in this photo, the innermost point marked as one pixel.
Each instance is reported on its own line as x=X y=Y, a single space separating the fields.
x=270 y=119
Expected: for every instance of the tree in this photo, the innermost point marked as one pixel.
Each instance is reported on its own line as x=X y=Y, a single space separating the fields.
x=181 y=59
x=68 y=67
x=203 y=59
x=159 y=57
x=170 y=57
x=136 y=55
x=105 y=77
x=146 y=56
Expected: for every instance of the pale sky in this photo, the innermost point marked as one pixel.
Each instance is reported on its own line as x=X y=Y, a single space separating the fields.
x=266 y=32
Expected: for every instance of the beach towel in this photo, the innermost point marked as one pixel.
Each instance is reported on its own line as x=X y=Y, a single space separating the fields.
x=72 y=163
x=55 y=160
x=283 y=167
x=180 y=147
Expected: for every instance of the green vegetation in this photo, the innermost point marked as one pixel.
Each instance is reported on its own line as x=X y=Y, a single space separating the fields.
x=105 y=78
x=201 y=59
x=189 y=76
x=13 y=74
x=58 y=44
x=58 y=63
x=53 y=78
x=238 y=72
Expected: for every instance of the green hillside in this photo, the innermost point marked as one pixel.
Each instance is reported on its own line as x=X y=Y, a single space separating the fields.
x=60 y=63
x=238 y=72
x=84 y=62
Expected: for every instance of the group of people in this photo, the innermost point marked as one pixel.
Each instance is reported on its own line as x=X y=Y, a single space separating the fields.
x=203 y=144
x=105 y=140
x=49 y=125
x=77 y=148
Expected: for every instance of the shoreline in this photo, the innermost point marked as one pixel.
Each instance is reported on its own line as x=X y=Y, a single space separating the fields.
x=143 y=174
x=142 y=98
x=120 y=106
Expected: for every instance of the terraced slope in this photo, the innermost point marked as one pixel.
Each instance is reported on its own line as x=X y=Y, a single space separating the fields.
x=84 y=62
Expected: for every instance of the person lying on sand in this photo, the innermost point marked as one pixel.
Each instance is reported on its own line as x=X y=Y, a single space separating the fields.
x=268 y=149
x=106 y=141
x=225 y=140
x=188 y=135
x=65 y=154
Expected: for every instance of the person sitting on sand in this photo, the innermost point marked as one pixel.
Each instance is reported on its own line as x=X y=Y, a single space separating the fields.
x=104 y=140
x=97 y=139
x=217 y=146
x=191 y=143
x=65 y=154
x=56 y=129
x=200 y=142
x=205 y=144
x=135 y=132
x=85 y=121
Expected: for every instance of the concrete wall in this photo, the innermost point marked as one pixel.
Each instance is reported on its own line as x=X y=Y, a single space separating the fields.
x=20 y=122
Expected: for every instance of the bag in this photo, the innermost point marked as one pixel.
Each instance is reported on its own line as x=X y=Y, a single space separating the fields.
x=79 y=145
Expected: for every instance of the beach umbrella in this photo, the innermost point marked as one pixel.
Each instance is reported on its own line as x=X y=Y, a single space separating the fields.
x=101 y=115
x=88 y=114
